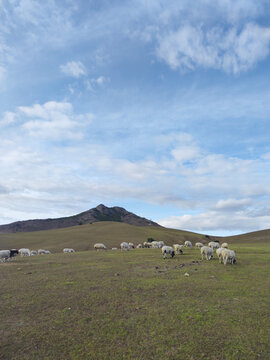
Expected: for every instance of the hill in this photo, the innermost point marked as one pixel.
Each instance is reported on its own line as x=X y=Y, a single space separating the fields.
x=112 y=233
x=99 y=213
x=84 y=237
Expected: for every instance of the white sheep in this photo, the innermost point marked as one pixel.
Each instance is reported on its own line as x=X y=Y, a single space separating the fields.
x=228 y=255
x=43 y=252
x=139 y=246
x=68 y=250
x=147 y=244
x=100 y=246
x=177 y=248
x=33 y=253
x=125 y=246
x=160 y=244
x=199 y=245
x=207 y=251
x=24 y=252
x=154 y=245
x=213 y=244
x=131 y=245
x=218 y=252
x=167 y=250
x=188 y=244
x=224 y=245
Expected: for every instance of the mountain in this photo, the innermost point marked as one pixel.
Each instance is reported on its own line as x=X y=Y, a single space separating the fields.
x=99 y=213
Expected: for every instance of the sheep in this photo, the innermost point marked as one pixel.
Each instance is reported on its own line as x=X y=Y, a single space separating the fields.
x=228 y=255
x=7 y=254
x=33 y=253
x=167 y=250
x=199 y=245
x=147 y=244
x=159 y=244
x=207 y=252
x=214 y=244
x=67 y=250
x=218 y=252
x=139 y=246
x=24 y=252
x=125 y=246
x=178 y=248
x=100 y=246
x=114 y=248
x=224 y=245
x=43 y=252
x=154 y=245
x=131 y=245
x=188 y=244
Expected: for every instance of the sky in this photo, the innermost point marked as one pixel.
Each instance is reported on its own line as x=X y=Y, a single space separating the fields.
x=159 y=107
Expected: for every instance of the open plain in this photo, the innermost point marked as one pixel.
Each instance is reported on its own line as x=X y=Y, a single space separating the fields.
x=133 y=305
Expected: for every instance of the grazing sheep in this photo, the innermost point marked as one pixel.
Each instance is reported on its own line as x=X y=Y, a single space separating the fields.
x=188 y=244
x=199 y=245
x=139 y=246
x=24 y=252
x=207 y=252
x=33 y=253
x=147 y=244
x=7 y=254
x=100 y=246
x=167 y=250
x=218 y=252
x=177 y=248
x=224 y=245
x=228 y=255
x=213 y=245
x=67 y=250
x=160 y=244
x=43 y=252
x=125 y=246
x=131 y=245
x=154 y=245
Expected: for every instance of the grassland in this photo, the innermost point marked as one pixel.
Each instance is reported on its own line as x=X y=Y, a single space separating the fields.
x=83 y=237
x=134 y=305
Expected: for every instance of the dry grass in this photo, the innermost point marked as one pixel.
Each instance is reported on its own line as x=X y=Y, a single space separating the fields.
x=135 y=305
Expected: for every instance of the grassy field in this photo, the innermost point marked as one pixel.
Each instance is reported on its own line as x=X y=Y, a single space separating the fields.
x=84 y=237
x=135 y=305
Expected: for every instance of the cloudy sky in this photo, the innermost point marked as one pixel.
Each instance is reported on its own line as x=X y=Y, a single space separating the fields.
x=159 y=107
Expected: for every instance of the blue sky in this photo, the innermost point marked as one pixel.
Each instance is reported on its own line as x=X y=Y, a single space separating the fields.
x=160 y=107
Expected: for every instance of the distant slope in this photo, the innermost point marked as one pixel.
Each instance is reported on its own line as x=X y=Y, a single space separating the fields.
x=99 y=213
x=251 y=237
x=84 y=237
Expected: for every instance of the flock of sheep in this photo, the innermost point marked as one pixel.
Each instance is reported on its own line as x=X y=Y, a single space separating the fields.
x=6 y=255
x=224 y=254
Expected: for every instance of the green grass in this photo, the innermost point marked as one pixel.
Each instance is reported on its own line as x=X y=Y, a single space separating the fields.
x=135 y=305
x=84 y=237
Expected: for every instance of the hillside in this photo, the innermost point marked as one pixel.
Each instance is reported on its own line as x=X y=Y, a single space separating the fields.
x=83 y=237
x=99 y=213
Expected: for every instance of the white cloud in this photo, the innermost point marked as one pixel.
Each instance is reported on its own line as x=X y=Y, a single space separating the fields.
x=7 y=119
x=232 y=204
x=91 y=84
x=221 y=222
x=74 y=69
x=229 y=50
x=52 y=120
